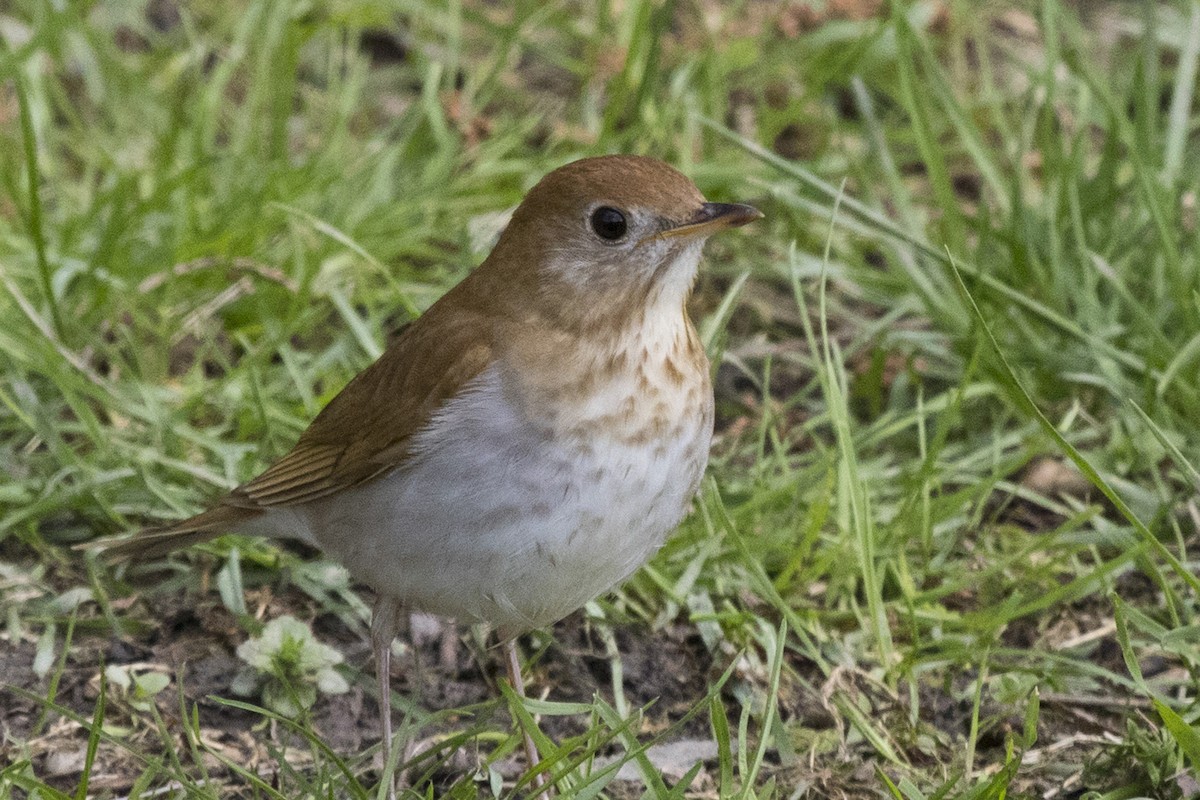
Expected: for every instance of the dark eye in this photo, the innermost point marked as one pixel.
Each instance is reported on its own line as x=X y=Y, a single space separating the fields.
x=608 y=223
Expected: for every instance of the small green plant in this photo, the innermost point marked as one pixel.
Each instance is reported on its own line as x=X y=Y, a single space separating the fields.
x=1146 y=760
x=288 y=666
x=138 y=687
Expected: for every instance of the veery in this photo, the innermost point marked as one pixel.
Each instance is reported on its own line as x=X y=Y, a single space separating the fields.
x=529 y=441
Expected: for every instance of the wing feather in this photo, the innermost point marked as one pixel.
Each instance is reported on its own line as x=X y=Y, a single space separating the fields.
x=302 y=463
x=366 y=430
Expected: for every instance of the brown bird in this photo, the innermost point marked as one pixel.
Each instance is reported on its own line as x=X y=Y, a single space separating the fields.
x=530 y=440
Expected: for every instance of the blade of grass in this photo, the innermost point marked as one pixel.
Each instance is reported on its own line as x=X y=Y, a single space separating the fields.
x=1176 y=454
x=854 y=501
x=1026 y=403
x=1182 y=97
x=777 y=646
x=1185 y=735
x=941 y=310
x=34 y=216
x=56 y=675
x=927 y=141
x=93 y=741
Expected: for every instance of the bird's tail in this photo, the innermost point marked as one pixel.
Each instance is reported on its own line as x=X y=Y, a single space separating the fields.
x=158 y=541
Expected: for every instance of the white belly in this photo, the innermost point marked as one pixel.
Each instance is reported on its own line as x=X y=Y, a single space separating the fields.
x=494 y=522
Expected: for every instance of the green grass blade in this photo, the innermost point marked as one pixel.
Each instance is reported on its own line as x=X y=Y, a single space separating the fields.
x=1026 y=403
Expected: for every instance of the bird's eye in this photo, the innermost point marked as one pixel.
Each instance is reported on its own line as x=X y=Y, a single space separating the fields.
x=608 y=223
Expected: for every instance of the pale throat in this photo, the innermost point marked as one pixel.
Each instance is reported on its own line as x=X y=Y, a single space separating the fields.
x=636 y=375
x=658 y=274
x=664 y=316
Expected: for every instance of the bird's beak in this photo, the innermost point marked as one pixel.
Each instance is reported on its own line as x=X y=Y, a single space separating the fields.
x=713 y=217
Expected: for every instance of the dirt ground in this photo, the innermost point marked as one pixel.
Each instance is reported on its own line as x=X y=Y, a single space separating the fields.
x=667 y=670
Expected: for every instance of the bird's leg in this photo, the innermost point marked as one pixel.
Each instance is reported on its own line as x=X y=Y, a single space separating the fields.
x=385 y=624
x=448 y=646
x=513 y=665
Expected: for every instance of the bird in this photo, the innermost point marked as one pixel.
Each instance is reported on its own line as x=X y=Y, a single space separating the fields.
x=529 y=441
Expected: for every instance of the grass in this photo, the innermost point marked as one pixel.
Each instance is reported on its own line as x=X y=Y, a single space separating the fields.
x=947 y=544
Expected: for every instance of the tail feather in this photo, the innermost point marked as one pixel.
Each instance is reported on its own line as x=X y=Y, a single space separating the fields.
x=155 y=542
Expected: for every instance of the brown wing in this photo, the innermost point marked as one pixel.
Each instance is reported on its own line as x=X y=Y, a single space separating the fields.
x=366 y=429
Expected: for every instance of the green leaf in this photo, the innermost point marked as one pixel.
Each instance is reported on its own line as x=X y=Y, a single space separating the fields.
x=1187 y=736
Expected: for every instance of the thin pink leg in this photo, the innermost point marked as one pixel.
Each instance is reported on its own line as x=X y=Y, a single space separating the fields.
x=385 y=624
x=513 y=666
